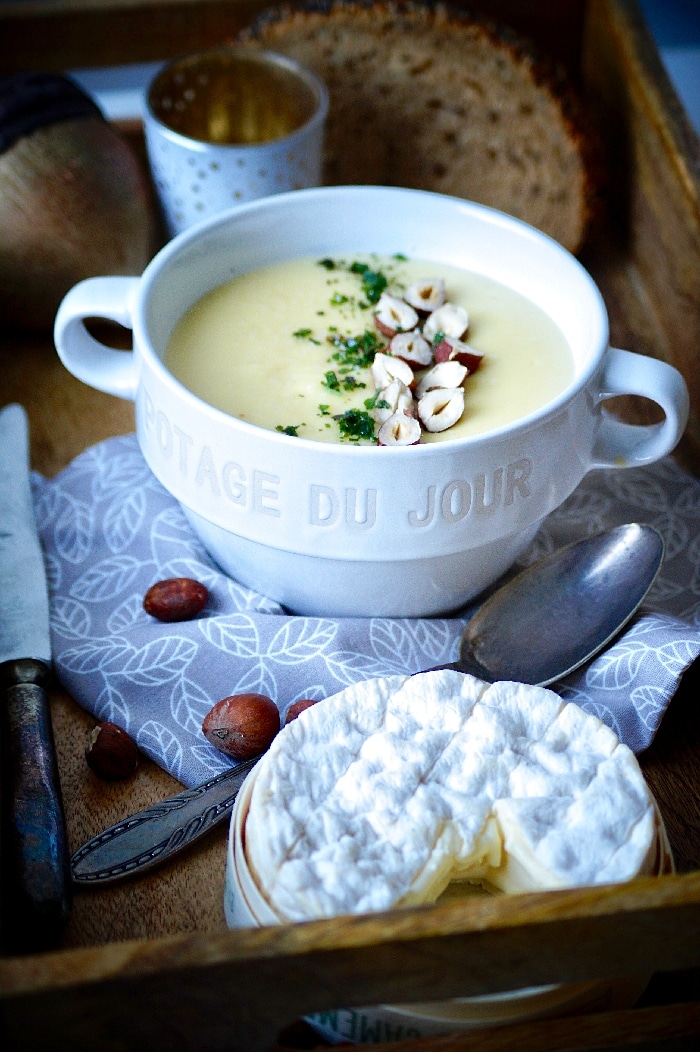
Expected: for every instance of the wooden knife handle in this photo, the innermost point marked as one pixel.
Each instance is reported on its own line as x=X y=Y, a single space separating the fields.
x=35 y=861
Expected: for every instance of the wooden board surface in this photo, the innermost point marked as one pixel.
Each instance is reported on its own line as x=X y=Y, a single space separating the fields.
x=69 y=34
x=153 y=958
x=184 y=899
x=653 y=188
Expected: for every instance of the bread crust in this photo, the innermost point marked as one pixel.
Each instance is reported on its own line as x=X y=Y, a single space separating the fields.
x=424 y=96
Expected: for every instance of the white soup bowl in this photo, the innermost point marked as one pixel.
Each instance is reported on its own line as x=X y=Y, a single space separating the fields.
x=333 y=529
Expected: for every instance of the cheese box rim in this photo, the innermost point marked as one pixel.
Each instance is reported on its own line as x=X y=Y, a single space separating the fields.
x=245 y=903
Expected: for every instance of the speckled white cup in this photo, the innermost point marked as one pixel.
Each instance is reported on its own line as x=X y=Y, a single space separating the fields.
x=273 y=110
x=332 y=529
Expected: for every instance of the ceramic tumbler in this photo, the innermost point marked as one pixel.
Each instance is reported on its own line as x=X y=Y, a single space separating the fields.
x=230 y=125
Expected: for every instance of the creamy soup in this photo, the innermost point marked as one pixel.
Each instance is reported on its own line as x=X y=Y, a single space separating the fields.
x=288 y=347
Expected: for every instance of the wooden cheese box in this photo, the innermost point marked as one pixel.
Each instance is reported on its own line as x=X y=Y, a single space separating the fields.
x=150 y=963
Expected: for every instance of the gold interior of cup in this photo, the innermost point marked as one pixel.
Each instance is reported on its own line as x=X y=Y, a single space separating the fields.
x=234 y=97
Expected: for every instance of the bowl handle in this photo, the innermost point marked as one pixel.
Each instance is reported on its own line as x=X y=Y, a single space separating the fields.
x=96 y=364
x=620 y=445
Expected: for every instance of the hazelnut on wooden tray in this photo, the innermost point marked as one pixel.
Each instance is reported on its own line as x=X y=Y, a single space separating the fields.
x=75 y=202
x=111 y=753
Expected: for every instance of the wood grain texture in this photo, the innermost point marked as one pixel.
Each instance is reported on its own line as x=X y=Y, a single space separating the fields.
x=65 y=416
x=183 y=895
x=247 y=984
x=43 y=34
x=150 y=963
x=50 y=36
x=653 y=155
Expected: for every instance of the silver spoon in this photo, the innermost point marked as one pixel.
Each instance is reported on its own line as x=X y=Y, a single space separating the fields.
x=553 y=617
x=536 y=628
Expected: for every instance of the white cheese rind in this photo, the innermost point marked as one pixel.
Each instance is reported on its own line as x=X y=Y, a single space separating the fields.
x=383 y=794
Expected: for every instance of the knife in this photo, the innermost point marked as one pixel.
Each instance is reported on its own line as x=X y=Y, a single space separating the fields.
x=35 y=860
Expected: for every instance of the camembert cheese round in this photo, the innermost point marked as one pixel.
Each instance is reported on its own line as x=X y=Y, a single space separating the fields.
x=390 y=790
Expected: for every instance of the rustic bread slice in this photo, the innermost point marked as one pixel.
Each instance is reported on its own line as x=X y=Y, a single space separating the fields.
x=425 y=97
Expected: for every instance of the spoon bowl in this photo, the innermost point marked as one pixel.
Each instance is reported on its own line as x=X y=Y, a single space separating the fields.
x=558 y=613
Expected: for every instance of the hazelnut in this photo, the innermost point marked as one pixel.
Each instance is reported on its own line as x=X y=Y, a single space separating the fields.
x=426 y=295
x=441 y=408
x=393 y=315
x=296 y=707
x=175 y=599
x=444 y=374
x=242 y=725
x=413 y=348
x=450 y=320
x=451 y=349
x=110 y=752
x=400 y=429
x=385 y=368
x=396 y=397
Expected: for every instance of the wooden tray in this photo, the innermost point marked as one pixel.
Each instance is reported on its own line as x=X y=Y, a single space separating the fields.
x=150 y=963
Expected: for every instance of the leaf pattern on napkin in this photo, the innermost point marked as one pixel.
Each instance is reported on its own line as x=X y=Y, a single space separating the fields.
x=110 y=530
x=107 y=579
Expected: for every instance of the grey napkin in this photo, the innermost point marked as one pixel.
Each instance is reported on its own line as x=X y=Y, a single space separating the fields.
x=110 y=530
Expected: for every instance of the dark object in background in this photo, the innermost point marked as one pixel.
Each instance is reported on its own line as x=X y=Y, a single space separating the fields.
x=74 y=200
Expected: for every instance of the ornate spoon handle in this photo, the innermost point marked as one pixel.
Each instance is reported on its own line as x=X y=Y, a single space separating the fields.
x=144 y=840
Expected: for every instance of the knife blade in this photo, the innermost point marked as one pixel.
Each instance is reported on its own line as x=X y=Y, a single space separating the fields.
x=35 y=858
